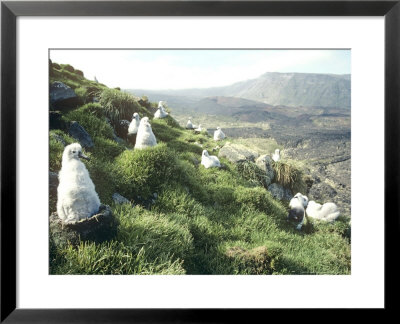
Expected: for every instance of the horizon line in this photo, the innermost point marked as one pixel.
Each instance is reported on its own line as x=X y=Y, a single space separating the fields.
x=215 y=87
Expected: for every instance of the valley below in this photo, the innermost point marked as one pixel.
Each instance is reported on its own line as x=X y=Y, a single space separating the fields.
x=322 y=150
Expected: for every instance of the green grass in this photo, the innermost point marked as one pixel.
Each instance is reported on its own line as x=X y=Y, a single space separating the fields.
x=204 y=221
x=103 y=178
x=57 y=148
x=159 y=234
x=89 y=117
x=111 y=258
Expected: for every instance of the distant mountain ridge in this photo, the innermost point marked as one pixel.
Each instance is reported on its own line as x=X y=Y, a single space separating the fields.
x=296 y=89
x=274 y=88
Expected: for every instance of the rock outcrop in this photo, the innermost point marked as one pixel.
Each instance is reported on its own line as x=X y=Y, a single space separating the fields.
x=264 y=162
x=60 y=91
x=279 y=192
x=237 y=153
x=55 y=120
x=80 y=134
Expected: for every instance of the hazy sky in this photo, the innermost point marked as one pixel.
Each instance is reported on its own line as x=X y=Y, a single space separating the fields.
x=178 y=69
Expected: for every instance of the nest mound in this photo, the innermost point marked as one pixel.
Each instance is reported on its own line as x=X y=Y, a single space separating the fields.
x=258 y=260
x=98 y=228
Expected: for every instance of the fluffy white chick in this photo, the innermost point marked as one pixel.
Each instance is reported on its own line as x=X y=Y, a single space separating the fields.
x=277 y=155
x=219 y=134
x=134 y=125
x=209 y=161
x=77 y=198
x=145 y=136
x=327 y=212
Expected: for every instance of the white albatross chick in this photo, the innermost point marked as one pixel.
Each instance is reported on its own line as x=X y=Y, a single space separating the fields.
x=209 y=161
x=134 y=125
x=145 y=137
x=189 y=124
x=219 y=134
x=277 y=155
x=77 y=197
x=160 y=113
x=327 y=212
x=198 y=129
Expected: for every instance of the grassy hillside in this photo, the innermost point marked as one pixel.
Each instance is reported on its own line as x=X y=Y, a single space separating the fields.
x=184 y=219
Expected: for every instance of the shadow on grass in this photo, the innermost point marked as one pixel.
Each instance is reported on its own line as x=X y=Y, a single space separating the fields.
x=290 y=267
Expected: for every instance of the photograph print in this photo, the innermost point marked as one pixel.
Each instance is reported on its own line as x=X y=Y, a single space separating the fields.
x=200 y=161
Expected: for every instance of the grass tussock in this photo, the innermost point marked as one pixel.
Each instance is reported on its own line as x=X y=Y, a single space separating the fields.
x=289 y=176
x=143 y=172
x=119 y=105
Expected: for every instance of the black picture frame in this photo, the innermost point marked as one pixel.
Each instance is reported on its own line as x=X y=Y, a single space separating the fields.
x=10 y=10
